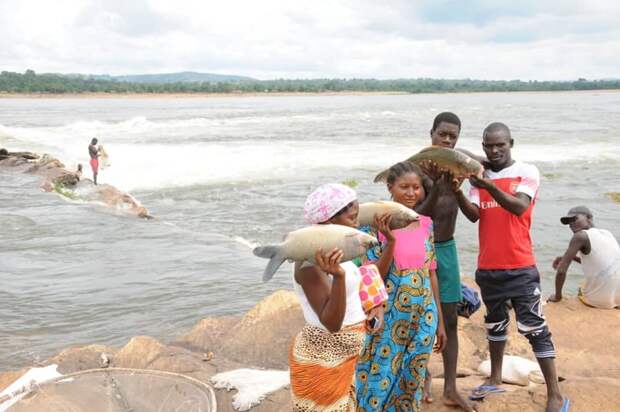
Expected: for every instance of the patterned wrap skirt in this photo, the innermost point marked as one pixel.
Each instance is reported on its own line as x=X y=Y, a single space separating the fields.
x=323 y=368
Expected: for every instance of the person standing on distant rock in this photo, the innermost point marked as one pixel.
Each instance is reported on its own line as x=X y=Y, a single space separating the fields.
x=599 y=254
x=93 y=151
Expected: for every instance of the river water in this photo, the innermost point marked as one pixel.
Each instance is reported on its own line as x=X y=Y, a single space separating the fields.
x=222 y=173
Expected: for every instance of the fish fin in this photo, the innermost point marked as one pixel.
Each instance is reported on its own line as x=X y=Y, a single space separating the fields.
x=382 y=177
x=271 y=252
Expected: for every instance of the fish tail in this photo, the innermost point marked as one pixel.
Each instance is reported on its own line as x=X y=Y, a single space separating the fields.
x=273 y=253
x=382 y=177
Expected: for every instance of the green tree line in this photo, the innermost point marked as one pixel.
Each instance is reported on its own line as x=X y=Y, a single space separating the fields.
x=30 y=82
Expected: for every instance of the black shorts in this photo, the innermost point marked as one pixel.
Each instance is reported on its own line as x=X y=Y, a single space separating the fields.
x=521 y=288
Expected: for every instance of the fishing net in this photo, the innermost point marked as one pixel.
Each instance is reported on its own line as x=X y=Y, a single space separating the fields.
x=119 y=390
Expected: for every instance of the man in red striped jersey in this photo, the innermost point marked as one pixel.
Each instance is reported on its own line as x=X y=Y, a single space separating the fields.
x=503 y=201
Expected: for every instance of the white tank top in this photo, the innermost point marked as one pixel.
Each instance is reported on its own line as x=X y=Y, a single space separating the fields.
x=601 y=268
x=354 y=312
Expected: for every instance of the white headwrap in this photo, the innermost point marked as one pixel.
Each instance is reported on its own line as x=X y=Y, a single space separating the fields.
x=327 y=200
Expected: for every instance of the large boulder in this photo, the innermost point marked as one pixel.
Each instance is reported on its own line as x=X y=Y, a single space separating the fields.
x=81 y=358
x=144 y=352
x=261 y=338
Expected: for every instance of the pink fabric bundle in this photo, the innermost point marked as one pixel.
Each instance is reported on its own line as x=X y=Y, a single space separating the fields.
x=372 y=288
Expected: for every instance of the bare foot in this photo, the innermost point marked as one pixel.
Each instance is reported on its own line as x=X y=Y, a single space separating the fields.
x=427 y=397
x=554 y=404
x=455 y=399
x=493 y=382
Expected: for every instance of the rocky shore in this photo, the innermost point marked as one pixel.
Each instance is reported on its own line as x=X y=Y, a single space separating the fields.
x=588 y=358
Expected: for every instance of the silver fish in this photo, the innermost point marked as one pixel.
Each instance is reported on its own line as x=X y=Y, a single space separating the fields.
x=301 y=245
x=401 y=215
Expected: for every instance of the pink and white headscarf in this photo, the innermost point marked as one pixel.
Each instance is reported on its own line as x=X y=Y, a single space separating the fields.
x=327 y=200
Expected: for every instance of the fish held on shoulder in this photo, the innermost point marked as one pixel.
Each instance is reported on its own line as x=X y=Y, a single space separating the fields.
x=437 y=159
x=301 y=245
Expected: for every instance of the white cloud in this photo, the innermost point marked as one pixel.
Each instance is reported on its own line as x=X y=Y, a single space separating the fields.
x=277 y=38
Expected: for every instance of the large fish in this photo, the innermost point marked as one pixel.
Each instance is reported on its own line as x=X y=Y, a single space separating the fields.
x=401 y=215
x=302 y=244
x=458 y=164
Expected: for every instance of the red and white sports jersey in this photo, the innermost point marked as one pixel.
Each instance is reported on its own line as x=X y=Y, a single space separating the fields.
x=504 y=238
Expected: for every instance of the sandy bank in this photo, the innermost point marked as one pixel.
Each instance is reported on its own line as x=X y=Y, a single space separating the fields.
x=588 y=358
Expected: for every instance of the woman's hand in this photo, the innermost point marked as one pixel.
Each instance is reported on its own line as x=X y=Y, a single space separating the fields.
x=556 y=262
x=376 y=313
x=441 y=339
x=382 y=222
x=329 y=262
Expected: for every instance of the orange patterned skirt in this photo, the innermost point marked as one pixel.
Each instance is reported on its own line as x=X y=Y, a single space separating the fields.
x=323 y=368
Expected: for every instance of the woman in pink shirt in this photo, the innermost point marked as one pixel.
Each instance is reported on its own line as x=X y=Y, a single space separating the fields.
x=392 y=366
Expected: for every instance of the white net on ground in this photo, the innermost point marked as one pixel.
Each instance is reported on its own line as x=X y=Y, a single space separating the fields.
x=119 y=390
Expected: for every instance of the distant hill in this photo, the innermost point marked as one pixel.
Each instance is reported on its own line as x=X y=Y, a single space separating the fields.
x=181 y=77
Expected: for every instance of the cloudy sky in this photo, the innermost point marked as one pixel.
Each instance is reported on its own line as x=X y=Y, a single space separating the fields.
x=266 y=39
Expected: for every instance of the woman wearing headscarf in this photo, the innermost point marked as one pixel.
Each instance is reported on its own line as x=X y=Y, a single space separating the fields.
x=323 y=355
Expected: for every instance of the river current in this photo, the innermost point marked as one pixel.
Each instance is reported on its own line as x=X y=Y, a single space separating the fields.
x=221 y=174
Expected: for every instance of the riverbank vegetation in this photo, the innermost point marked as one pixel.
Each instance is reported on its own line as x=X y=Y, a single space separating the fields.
x=30 y=82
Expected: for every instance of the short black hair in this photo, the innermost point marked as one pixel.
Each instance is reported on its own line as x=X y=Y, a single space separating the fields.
x=94 y=141
x=447 y=117
x=496 y=126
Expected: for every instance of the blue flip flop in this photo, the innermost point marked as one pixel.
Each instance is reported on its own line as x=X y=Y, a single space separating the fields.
x=565 y=405
x=482 y=391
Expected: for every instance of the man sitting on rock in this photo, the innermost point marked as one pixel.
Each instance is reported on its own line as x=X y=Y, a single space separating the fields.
x=598 y=253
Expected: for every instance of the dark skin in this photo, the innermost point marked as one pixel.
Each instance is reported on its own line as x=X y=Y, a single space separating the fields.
x=497 y=145
x=328 y=297
x=93 y=151
x=408 y=191
x=442 y=205
x=580 y=242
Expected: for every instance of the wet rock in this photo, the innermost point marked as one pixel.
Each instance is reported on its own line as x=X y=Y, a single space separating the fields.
x=70 y=183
